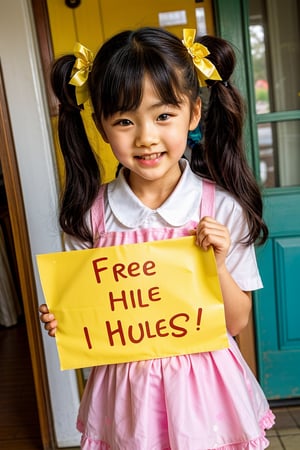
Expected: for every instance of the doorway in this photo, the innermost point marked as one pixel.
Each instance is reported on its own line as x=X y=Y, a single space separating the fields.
x=274 y=42
x=23 y=271
x=19 y=422
x=272 y=141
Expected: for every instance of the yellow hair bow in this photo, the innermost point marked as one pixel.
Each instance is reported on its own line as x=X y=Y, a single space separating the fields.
x=80 y=72
x=206 y=69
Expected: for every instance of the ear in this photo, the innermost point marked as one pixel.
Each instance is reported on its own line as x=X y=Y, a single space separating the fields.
x=196 y=114
x=100 y=129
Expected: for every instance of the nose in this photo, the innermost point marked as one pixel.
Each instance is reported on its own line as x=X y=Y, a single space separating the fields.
x=146 y=135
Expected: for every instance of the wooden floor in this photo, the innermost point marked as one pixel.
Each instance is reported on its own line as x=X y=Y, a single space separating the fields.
x=19 y=424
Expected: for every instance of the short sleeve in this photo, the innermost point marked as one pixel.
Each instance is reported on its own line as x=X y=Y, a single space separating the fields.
x=241 y=260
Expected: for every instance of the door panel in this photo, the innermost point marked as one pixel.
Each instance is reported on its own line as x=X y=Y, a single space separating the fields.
x=287 y=254
x=277 y=305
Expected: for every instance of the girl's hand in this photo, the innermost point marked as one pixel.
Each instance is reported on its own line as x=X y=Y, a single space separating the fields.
x=237 y=303
x=48 y=319
x=212 y=233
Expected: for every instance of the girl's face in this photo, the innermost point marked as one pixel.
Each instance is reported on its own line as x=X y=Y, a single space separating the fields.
x=150 y=140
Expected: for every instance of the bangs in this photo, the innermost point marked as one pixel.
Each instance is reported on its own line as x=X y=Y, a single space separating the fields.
x=122 y=84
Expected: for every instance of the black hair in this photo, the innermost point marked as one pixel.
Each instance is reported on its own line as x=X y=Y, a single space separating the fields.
x=116 y=84
x=221 y=156
x=81 y=169
x=116 y=81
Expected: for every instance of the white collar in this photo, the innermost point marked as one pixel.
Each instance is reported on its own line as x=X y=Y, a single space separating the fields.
x=177 y=210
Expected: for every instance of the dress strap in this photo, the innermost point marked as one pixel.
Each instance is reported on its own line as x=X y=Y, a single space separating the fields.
x=207 y=207
x=98 y=212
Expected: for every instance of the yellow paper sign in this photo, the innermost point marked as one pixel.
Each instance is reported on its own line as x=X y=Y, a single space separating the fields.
x=133 y=302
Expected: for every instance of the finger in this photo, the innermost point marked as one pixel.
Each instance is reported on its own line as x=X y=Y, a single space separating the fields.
x=209 y=220
x=52 y=332
x=212 y=228
x=43 y=308
x=207 y=236
x=219 y=239
x=50 y=324
x=51 y=328
x=208 y=227
x=46 y=318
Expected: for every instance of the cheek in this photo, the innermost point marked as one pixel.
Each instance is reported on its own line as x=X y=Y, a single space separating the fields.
x=115 y=141
x=179 y=136
x=177 y=146
x=120 y=149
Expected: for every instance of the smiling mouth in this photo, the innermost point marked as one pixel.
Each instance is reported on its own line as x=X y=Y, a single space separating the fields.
x=150 y=157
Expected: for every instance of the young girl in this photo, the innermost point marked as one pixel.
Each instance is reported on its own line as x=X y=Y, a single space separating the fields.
x=144 y=88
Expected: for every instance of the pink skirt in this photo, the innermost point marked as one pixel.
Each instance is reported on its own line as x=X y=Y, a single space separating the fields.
x=193 y=402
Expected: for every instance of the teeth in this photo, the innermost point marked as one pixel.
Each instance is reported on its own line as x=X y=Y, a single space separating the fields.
x=149 y=157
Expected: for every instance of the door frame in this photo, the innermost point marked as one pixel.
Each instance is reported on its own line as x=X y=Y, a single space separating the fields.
x=228 y=12
x=25 y=270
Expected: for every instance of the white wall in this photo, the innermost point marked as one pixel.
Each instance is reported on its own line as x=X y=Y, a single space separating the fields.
x=32 y=137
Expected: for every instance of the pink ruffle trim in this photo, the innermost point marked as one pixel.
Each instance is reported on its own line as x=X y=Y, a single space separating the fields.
x=267 y=421
x=256 y=444
x=92 y=444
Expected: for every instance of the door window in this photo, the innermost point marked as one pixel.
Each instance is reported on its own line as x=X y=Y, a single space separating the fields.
x=274 y=39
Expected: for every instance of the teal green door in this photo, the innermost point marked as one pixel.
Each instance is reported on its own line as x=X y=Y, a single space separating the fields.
x=266 y=35
x=277 y=306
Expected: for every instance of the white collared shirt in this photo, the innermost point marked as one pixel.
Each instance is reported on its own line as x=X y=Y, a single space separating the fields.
x=124 y=212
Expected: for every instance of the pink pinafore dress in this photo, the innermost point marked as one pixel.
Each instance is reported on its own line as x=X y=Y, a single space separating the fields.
x=192 y=402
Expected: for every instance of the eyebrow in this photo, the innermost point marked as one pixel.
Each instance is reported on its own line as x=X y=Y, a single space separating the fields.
x=154 y=106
